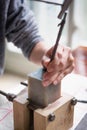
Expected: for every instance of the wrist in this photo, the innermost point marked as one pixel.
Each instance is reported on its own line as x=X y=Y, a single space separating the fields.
x=37 y=53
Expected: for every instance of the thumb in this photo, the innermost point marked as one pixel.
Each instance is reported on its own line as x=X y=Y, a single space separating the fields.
x=45 y=61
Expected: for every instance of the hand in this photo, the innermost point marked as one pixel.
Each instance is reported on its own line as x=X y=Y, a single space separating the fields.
x=59 y=67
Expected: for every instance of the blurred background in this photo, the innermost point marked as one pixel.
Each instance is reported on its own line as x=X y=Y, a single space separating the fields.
x=74 y=35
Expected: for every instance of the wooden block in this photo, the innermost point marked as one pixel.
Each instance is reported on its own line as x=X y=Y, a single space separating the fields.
x=21 y=112
x=63 y=111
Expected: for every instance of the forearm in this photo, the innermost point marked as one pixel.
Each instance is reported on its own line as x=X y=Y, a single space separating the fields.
x=37 y=53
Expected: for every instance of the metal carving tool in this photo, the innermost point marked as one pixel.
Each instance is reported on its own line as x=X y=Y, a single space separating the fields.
x=59 y=35
x=64 y=7
x=61 y=24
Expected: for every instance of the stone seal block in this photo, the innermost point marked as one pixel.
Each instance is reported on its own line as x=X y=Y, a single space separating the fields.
x=40 y=95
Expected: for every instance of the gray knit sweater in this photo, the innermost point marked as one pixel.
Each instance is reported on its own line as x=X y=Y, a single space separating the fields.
x=18 y=25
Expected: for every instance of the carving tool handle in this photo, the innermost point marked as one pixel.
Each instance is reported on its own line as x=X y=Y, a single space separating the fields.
x=58 y=36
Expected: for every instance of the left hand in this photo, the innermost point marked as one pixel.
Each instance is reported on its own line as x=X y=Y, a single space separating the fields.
x=59 y=67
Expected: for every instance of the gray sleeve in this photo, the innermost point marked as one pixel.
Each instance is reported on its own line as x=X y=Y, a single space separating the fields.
x=22 y=27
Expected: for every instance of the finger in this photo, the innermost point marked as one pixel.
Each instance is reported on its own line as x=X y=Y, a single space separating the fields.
x=71 y=58
x=65 y=57
x=55 y=62
x=50 y=75
x=68 y=61
x=63 y=74
x=61 y=60
x=55 y=77
x=48 y=78
x=54 y=65
x=45 y=61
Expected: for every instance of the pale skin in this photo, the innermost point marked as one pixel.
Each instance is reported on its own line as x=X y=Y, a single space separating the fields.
x=58 y=68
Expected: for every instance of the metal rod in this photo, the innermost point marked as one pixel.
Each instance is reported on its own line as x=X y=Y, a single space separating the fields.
x=48 y=2
x=25 y=84
x=9 y=96
x=3 y=93
x=82 y=101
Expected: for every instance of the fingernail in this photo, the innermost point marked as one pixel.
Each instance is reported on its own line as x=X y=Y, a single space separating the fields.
x=55 y=82
x=50 y=69
x=45 y=83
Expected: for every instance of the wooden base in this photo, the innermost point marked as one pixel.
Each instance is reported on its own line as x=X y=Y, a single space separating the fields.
x=21 y=112
x=56 y=116
x=62 y=112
